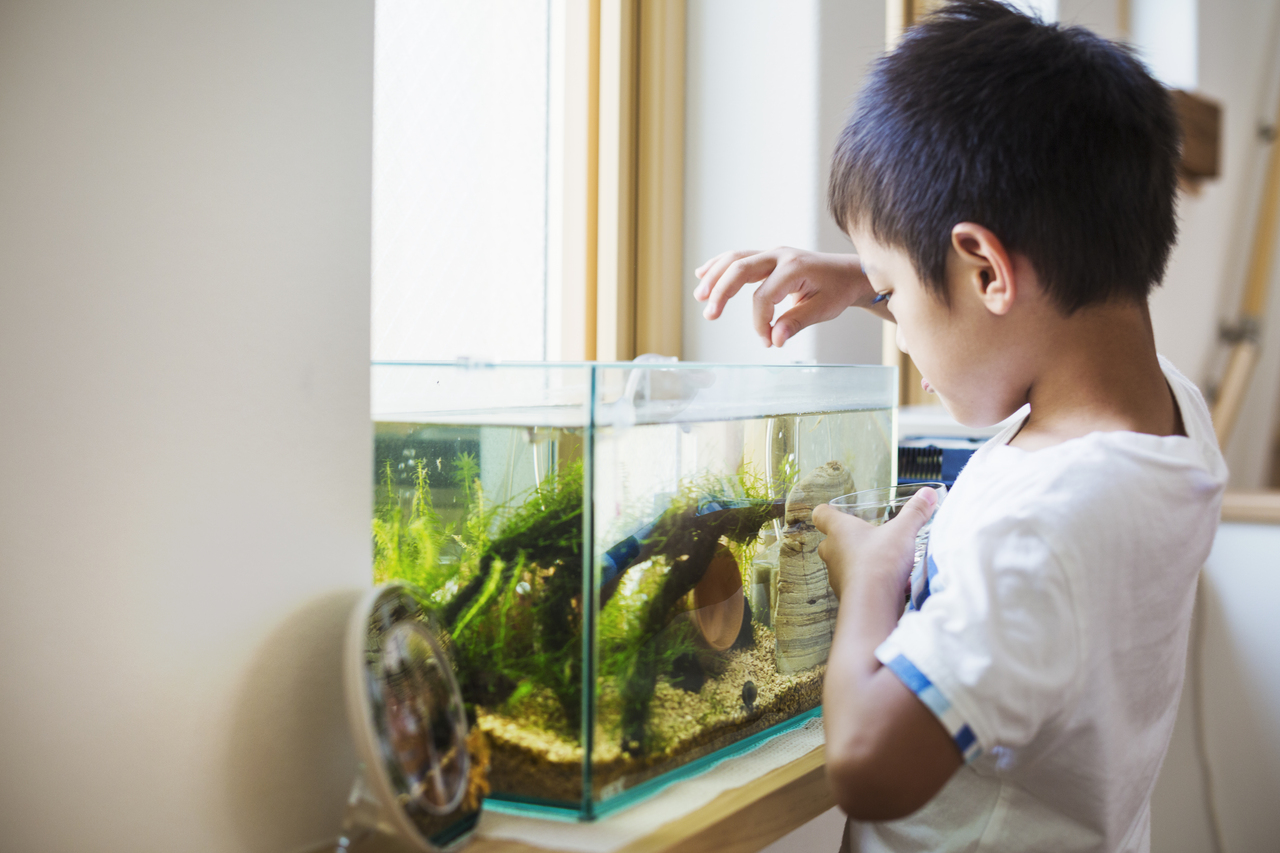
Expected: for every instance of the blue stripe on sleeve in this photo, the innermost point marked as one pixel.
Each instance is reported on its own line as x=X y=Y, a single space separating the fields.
x=909 y=675
x=918 y=683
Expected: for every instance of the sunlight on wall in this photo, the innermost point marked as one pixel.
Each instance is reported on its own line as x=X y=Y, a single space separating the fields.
x=460 y=180
x=1046 y=9
x=1164 y=32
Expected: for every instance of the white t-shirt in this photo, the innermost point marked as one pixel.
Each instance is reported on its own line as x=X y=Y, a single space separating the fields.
x=1053 y=639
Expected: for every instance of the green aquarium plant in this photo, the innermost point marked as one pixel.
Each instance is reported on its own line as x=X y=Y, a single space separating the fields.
x=518 y=616
x=506 y=582
x=685 y=539
x=408 y=534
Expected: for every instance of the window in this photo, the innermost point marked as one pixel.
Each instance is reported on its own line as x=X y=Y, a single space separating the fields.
x=460 y=201
x=528 y=168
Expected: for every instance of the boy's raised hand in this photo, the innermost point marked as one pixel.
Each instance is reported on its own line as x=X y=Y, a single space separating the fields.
x=878 y=555
x=824 y=285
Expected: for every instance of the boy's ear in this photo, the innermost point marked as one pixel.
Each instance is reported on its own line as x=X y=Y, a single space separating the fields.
x=984 y=266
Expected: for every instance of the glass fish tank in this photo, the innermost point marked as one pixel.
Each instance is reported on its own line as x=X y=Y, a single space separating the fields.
x=620 y=558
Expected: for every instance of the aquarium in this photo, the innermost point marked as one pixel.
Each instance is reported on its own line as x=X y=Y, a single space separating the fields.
x=620 y=558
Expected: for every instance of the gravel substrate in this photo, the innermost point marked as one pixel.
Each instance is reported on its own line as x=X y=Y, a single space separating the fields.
x=531 y=761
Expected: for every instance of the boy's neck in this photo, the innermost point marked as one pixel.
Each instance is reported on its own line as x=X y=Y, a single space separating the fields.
x=1097 y=371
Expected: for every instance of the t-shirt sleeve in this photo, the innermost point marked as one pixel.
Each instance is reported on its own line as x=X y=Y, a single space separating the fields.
x=994 y=654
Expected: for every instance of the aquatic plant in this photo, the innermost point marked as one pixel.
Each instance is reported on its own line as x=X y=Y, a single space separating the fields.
x=519 y=614
x=626 y=645
x=750 y=486
x=685 y=539
x=408 y=536
x=506 y=582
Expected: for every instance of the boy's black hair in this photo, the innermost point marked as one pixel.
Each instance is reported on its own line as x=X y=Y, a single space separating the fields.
x=1055 y=139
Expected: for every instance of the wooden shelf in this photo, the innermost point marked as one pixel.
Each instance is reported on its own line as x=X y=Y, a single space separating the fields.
x=741 y=820
x=1201 y=121
x=1251 y=507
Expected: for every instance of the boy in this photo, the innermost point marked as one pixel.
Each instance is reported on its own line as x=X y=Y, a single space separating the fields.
x=1009 y=189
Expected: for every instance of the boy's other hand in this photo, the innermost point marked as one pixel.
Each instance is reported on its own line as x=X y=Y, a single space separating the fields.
x=824 y=285
x=855 y=549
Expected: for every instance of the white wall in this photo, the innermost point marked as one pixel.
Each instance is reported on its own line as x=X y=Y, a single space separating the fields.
x=185 y=464
x=768 y=83
x=1104 y=17
x=1238 y=66
x=1165 y=33
x=850 y=35
x=1240 y=650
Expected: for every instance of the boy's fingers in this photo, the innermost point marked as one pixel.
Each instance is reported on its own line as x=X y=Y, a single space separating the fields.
x=826 y=518
x=717 y=263
x=783 y=280
x=707 y=275
x=799 y=316
x=711 y=269
x=719 y=294
x=917 y=511
x=737 y=272
x=715 y=259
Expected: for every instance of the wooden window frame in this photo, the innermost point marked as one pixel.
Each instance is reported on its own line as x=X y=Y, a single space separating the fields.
x=620 y=233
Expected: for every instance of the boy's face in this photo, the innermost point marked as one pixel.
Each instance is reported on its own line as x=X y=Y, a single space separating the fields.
x=960 y=349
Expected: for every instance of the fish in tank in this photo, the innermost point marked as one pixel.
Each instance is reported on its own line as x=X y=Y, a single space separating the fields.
x=625 y=571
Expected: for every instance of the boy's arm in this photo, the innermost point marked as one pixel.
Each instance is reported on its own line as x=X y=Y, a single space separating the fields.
x=887 y=754
x=824 y=285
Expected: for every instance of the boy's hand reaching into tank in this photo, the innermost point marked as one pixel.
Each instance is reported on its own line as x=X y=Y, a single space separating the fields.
x=878 y=556
x=824 y=285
